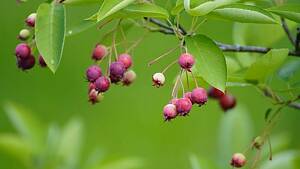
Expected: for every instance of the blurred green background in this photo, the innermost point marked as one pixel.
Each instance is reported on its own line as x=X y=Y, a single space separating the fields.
x=129 y=120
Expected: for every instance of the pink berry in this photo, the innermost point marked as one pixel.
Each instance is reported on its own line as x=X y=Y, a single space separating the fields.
x=42 y=61
x=26 y=63
x=116 y=71
x=238 y=160
x=227 y=102
x=215 y=93
x=126 y=60
x=183 y=106
x=95 y=97
x=102 y=84
x=22 y=51
x=99 y=52
x=188 y=95
x=30 y=21
x=199 y=96
x=91 y=86
x=173 y=101
x=158 y=79
x=129 y=77
x=186 y=61
x=93 y=73
x=170 y=112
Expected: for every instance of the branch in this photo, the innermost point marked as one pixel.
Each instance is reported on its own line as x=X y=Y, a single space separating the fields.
x=287 y=31
x=297 y=42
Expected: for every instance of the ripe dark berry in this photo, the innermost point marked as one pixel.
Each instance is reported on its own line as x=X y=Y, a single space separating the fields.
x=186 y=61
x=93 y=73
x=199 y=96
x=24 y=34
x=183 y=106
x=42 y=62
x=158 y=79
x=215 y=93
x=95 y=97
x=125 y=59
x=30 y=21
x=99 y=52
x=23 y=51
x=116 y=71
x=238 y=160
x=188 y=95
x=170 y=112
x=227 y=102
x=129 y=77
x=102 y=84
x=26 y=63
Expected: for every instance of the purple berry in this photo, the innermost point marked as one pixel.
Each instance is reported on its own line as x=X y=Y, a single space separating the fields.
x=91 y=86
x=102 y=84
x=238 y=160
x=30 y=21
x=26 y=63
x=22 y=51
x=227 y=102
x=116 y=71
x=173 y=101
x=199 y=96
x=42 y=62
x=99 y=52
x=170 y=112
x=189 y=96
x=158 y=79
x=186 y=61
x=183 y=106
x=126 y=60
x=93 y=73
x=215 y=93
x=129 y=77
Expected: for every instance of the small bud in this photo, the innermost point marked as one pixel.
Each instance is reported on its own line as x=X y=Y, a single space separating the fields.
x=238 y=160
x=26 y=63
x=22 y=51
x=102 y=84
x=93 y=73
x=199 y=96
x=95 y=97
x=158 y=79
x=227 y=102
x=170 y=112
x=215 y=93
x=126 y=60
x=116 y=71
x=30 y=21
x=183 y=106
x=99 y=52
x=42 y=62
x=186 y=61
x=258 y=142
x=129 y=77
x=24 y=34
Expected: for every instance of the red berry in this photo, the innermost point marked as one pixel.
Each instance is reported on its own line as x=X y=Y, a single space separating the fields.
x=116 y=71
x=173 y=101
x=129 y=77
x=126 y=60
x=30 y=21
x=238 y=160
x=42 y=61
x=93 y=73
x=91 y=86
x=26 y=63
x=158 y=79
x=186 y=61
x=188 y=95
x=22 y=51
x=215 y=93
x=170 y=112
x=227 y=102
x=183 y=106
x=99 y=52
x=102 y=84
x=199 y=96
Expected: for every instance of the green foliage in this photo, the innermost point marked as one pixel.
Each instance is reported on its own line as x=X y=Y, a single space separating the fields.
x=289 y=11
x=288 y=70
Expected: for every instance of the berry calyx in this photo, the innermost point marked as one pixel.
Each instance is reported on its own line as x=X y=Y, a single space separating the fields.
x=30 y=20
x=186 y=61
x=183 y=106
x=26 y=63
x=102 y=84
x=116 y=71
x=22 y=51
x=93 y=73
x=99 y=52
x=125 y=59
x=42 y=62
x=215 y=93
x=199 y=96
x=129 y=77
x=238 y=160
x=158 y=79
x=170 y=112
x=227 y=102
x=24 y=34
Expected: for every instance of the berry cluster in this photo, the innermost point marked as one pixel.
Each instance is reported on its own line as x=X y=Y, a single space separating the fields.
x=226 y=101
x=118 y=72
x=24 y=51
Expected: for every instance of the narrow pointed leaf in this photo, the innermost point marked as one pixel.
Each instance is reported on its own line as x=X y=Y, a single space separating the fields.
x=81 y=2
x=289 y=11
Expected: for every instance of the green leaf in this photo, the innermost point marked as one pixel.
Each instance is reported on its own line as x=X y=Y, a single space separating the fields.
x=81 y=2
x=244 y=13
x=286 y=160
x=179 y=5
x=110 y=7
x=81 y=27
x=267 y=64
x=50 y=33
x=126 y=163
x=289 y=69
x=210 y=61
x=290 y=11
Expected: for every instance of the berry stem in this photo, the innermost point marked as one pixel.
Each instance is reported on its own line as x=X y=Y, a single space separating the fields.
x=187 y=80
x=195 y=80
x=134 y=45
x=163 y=55
x=175 y=88
x=170 y=65
x=182 y=86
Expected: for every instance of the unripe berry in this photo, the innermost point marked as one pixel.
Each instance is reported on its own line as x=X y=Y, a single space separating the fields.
x=125 y=59
x=129 y=77
x=199 y=96
x=93 y=73
x=30 y=21
x=227 y=102
x=188 y=95
x=22 y=51
x=183 y=106
x=170 y=112
x=26 y=63
x=42 y=62
x=116 y=71
x=215 y=93
x=99 y=52
x=158 y=79
x=102 y=84
x=258 y=142
x=91 y=86
x=186 y=61
x=238 y=160
x=95 y=97
x=24 y=34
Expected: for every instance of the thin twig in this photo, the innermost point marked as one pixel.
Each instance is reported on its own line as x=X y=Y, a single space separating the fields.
x=287 y=31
